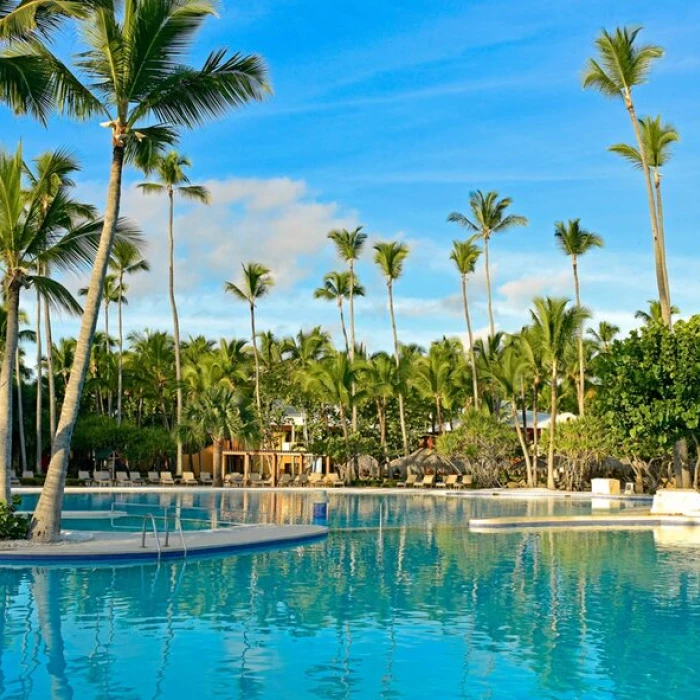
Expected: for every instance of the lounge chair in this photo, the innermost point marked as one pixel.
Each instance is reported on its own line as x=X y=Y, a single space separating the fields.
x=84 y=477
x=428 y=482
x=316 y=479
x=254 y=479
x=264 y=481
x=153 y=478
x=234 y=479
x=285 y=480
x=101 y=478
x=301 y=480
x=333 y=480
x=136 y=479
x=122 y=479
x=27 y=474
x=449 y=483
x=166 y=479
x=411 y=480
x=630 y=489
x=205 y=478
x=467 y=481
x=189 y=479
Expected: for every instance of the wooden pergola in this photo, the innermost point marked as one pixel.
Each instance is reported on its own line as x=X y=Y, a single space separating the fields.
x=275 y=457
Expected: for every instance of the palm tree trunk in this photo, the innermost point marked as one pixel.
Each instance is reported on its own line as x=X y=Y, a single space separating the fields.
x=492 y=326
x=535 y=434
x=552 y=431
x=521 y=440
x=344 y=428
x=381 y=416
x=662 y=229
x=216 y=463
x=20 y=413
x=402 y=410
x=257 y=361
x=659 y=252
x=46 y=523
x=6 y=376
x=581 y=362
x=120 y=360
x=108 y=357
x=472 y=358
x=176 y=326
x=51 y=377
x=342 y=325
x=352 y=339
x=39 y=387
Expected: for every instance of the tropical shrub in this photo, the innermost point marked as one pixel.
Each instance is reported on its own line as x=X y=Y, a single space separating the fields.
x=13 y=526
x=486 y=446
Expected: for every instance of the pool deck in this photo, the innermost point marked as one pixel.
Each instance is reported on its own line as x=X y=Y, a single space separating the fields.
x=635 y=520
x=516 y=494
x=126 y=546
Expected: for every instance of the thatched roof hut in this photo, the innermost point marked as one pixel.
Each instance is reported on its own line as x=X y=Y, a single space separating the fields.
x=424 y=461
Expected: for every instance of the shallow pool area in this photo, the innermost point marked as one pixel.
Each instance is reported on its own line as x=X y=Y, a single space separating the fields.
x=400 y=601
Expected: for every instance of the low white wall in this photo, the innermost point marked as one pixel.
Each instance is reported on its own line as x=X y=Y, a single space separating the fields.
x=607 y=487
x=676 y=502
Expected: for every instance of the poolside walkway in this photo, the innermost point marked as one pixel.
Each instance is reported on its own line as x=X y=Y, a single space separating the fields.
x=127 y=546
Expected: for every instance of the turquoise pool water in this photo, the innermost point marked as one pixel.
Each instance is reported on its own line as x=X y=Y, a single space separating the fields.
x=400 y=601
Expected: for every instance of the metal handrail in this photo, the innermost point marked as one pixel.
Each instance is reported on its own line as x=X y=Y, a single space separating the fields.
x=178 y=527
x=155 y=532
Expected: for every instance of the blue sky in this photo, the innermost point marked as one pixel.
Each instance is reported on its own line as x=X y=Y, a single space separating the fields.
x=387 y=114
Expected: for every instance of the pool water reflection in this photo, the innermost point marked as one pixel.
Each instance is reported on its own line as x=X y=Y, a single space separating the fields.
x=409 y=606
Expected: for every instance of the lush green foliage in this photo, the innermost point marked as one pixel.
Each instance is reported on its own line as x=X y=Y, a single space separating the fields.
x=13 y=526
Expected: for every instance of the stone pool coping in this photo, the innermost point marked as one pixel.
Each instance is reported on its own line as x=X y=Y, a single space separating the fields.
x=126 y=546
x=637 y=520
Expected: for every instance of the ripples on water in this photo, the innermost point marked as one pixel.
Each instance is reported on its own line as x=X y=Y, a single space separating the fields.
x=412 y=606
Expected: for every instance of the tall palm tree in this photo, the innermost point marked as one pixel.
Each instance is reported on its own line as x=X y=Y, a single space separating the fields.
x=557 y=324
x=604 y=335
x=336 y=287
x=657 y=139
x=32 y=236
x=257 y=282
x=349 y=245
x=134 y=65
x=381 y=374
x=172 y=180
x=431 y=376
x=488 y=217
x=465 y=255
x=622 y=65
x=530 y=349
x=507 y=375
x=390 y=258
x=654 y=316
x=126 y=260
x=575 y=241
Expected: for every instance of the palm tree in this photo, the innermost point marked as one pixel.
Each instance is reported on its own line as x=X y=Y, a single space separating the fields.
x=530 y=349
x=222 y=414
x=575 y=241
x=431 y=376
x=126 y=260
x=336 y=287
x=134 y=62
x=654 y=317
x=488 y=217
x=257 y=282
x=349 y=245
x=390 y=258
x=657 y=139
x=170 y=170
x=507 y=376
x=465 y=255
x=32 y=235
x=604 y=335
x=557 y=324
x=382 y=381
x=620 y=67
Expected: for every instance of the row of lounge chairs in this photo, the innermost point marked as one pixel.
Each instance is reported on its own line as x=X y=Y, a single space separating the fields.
x=254 y=479
x=429 y=481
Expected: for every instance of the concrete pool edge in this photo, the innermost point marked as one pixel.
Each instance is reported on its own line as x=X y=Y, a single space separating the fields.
x=572 y=522
x=104 y=547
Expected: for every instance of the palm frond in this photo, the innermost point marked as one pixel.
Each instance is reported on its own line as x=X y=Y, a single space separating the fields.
x=55 y=294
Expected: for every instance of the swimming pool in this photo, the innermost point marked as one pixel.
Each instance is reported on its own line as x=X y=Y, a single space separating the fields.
x=400 y=601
